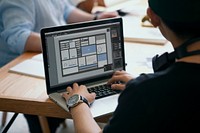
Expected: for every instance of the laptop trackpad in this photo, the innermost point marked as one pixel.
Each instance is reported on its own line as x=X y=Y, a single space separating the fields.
x=104 y=105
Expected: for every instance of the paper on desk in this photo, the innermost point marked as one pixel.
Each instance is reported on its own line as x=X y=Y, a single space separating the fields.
x=31 y=67
x=134 y=32
x=144 y=35
x=38 y=57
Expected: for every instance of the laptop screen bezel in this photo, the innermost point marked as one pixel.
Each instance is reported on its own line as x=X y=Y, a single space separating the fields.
x=46 y=30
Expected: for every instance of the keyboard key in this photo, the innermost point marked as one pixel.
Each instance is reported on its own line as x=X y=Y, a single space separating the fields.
x=102 y=91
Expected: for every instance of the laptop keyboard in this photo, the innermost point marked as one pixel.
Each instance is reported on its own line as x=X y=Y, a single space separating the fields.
x=102 y=91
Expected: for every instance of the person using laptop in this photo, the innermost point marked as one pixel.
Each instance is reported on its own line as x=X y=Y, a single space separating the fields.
x=164 y=101
x=20 y=24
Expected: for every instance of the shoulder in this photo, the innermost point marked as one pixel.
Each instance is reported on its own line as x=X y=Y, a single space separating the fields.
x=16 y=2
x=16 y=5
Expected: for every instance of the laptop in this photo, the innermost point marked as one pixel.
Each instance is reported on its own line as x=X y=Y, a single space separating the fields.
x=87 y=53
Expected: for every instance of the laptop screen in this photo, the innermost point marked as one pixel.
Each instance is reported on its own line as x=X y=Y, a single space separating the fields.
x=82 y=52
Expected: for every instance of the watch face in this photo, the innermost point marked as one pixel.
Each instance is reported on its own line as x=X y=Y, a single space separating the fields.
x=73 y=100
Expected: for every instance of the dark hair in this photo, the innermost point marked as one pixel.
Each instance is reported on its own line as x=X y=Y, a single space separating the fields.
x=184 y=29
x=181 y=16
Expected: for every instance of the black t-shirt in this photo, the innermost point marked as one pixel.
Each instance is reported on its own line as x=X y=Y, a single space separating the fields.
x=164 y=102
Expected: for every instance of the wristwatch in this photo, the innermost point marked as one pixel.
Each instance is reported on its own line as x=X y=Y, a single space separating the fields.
x=75 y=100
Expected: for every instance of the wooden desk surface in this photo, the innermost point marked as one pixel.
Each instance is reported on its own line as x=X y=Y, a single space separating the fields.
x=24 y=94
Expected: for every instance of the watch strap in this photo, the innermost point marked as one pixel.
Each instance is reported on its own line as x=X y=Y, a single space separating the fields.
x=84 y=100
x=81 y=100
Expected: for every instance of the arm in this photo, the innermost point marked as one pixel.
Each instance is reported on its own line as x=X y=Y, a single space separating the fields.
x=18 y=18
x=86 y=5
x=83 y=120
x=78 y=15
x=33 y=43
x=101 y=2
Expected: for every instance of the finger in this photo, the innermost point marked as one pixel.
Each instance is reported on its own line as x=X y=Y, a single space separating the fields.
x=117 y=73
x=110 y=81
x=75 y=86
x=120 y=72
x=83 y=86
x=120 y=76
x=115 y=78
x=93 y=94
x=69 y=89
x=118 y=86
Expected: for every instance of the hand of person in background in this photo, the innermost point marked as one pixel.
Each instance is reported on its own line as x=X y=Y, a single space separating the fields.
x=103 y=15
x=87 y=5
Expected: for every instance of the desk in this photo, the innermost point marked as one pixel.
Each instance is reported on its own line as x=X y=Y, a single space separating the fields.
x=138 y=56
x=24 y=94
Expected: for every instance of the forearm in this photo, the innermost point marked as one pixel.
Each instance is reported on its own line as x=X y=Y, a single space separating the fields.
x=33 y=43
x=86 y=5
x=101 y=2
x=83 y=120
x=78 y=15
